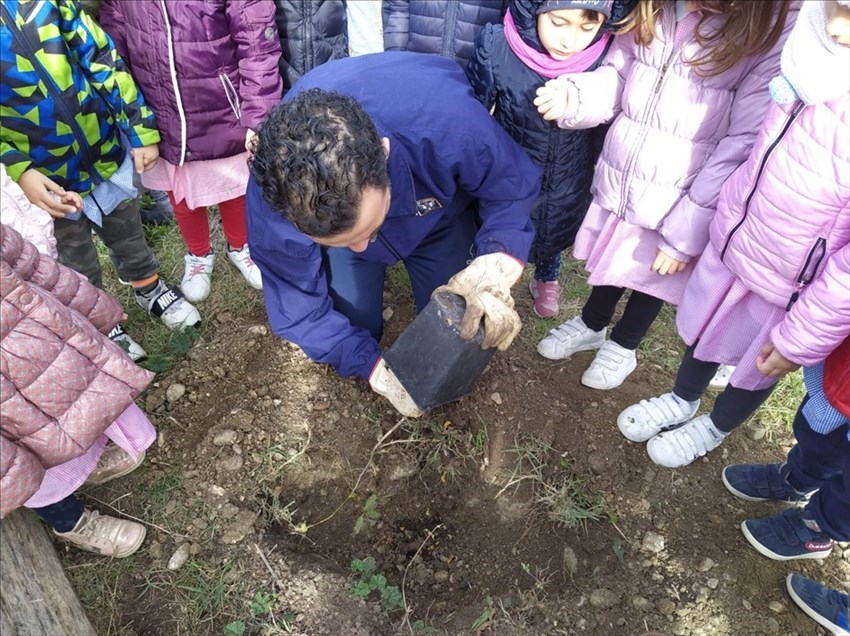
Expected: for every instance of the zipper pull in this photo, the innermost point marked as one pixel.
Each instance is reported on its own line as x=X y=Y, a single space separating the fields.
x=661 y=77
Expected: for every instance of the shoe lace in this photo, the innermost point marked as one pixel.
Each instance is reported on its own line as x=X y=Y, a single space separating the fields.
x=197 y=269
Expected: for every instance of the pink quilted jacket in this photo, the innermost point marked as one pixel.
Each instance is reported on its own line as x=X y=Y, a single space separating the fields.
x=61 y=382
x=783 y=225
x=677 y=135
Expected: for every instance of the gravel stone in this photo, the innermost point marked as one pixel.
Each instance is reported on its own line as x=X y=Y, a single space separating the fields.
x=604 y=598
x=652 y=542
x=225 y=438
x=175 y=392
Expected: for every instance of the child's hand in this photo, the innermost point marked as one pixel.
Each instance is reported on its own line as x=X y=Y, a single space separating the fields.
x=551 y=100
x=772 y=363
x=144 y=158
x=664 y=264
x=49 y=195
x=250 y=141
x=72 y=198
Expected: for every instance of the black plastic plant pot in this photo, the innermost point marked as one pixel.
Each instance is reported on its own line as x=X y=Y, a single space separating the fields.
x=431 y=360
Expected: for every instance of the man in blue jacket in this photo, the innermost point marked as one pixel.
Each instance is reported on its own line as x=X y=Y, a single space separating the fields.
x=374 y=160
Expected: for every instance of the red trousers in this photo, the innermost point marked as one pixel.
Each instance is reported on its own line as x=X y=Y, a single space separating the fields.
x=195 y=224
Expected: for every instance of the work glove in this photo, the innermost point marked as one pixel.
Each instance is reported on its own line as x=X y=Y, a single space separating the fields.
x=383 y=382
x=486 y=284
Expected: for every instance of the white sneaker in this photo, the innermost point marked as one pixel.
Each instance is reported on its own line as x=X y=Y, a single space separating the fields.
x=611 y=366
x=105 y=535
x=647 y=418
x=248 y=268
x=571 y=337
x=721 y=379
x=683 y=445
x=123 y=340
x=196 y=278
x=168 y=304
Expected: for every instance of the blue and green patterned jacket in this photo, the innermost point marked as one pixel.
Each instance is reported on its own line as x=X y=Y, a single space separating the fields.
x=65 y=96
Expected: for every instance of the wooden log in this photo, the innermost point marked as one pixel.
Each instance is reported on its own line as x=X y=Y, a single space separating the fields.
x=36 y=598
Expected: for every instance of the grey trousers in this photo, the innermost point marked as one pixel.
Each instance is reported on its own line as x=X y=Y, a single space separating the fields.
x=122 y=233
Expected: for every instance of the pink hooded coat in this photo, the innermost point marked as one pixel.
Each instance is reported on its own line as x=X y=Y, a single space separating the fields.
x=61 y=382
x=677 y=135
x=783 y=225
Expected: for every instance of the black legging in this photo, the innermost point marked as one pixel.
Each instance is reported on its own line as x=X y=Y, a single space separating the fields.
x=732 y=407
x=641 y=311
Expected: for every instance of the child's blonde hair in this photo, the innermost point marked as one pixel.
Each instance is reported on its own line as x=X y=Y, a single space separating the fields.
x=753 y=27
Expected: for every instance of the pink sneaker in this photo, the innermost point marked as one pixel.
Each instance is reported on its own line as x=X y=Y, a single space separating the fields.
x=546 y=297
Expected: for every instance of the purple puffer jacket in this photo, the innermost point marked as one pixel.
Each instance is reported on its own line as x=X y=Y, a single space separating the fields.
x=677 y=135
x=783 y=225
x=61 y=382
x=209 y=70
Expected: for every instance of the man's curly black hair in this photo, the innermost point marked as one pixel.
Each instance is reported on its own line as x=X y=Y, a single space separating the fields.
x=313 y=157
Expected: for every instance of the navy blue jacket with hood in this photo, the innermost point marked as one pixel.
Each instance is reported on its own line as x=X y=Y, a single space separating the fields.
x=499 y=78
x=444 y=27
x=443 y=144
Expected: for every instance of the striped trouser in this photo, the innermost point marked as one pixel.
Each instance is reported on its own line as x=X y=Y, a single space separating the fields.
x=122 y=233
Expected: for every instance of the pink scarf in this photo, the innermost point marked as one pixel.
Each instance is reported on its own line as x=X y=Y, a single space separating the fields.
x=544 y=64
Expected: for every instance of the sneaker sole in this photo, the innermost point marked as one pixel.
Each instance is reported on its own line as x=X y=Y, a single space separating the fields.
x=770 y=554
x=117 y=475
x=821 y=620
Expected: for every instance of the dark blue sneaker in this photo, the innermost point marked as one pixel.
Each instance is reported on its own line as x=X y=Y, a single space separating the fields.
x=762 y=482
x=787 y=535
x=827 y=607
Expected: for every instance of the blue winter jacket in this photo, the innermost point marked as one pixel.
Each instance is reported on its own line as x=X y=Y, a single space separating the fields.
x=443 y=144
x=443 y=27
x=499 y=78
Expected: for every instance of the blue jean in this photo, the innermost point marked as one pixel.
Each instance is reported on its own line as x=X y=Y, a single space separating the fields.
x=62 y=515
x=822 y=461
x=356 y=286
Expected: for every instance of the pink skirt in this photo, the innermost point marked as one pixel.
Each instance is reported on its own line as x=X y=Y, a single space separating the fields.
x=731 y=322
x=620 y=254
x=201 y=183
x=132 y=431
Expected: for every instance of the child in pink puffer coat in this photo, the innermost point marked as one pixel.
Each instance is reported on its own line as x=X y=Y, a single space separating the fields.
x=68 y=415
x=771 y=292
x=686 y=92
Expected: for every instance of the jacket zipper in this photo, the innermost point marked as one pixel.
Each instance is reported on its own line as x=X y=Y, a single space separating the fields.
x=767 y=154
x=389 y=247
x=172 y=71
x=653 y=100
x=57 y=95
x=810 y=268
x=451 y=19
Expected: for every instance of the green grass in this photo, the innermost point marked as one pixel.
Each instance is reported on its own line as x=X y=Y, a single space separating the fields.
x=230 y=293
x=559 y=493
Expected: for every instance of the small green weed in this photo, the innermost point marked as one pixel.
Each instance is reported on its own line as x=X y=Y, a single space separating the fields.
x=486 y=615
x=371 y=581
x=263 y=619
x=563 y=495
x=367 y=519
